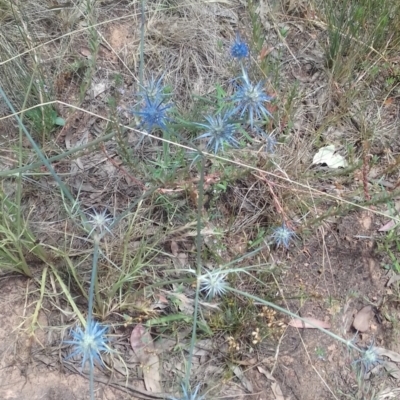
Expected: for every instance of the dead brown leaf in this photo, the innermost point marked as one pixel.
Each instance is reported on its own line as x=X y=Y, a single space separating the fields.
x=388 y=226
x=240 y=375
x=276 y=389
x=143 y=346
x=392 y=369
x=388 y=353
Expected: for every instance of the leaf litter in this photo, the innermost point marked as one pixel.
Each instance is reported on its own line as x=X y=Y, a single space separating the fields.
x=143 y=346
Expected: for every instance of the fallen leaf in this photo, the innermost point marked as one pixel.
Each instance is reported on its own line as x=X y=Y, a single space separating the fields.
x=266 y=373
x=313 y=323
x=98 y=88
x=388 y=101
x=265 y=51
x=388 y=226
x=143 y=346
x=388 y=393
x=362 y=320
x=392 y=369
x=245 y=382
x=183 y=302
x=180 y=260
x=366 y=222
x=392 y=280
x=326 y=155
x=276 y=389
x=388 y=353
x=85 y=51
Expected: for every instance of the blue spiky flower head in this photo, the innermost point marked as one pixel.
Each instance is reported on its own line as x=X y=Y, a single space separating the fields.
x=100 y=222
x=239 y=48
x=154 y=89
x=214 y=283
x=282 y=235
x=220 y=129
x=89 y=343
x=250 y=99
x=187 y=394
x=369 y=359
x=153 y=113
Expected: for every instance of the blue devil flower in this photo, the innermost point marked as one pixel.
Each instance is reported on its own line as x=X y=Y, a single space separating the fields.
x=250 y=99
x=89 y=343
x=239 y=48
x=219 y=129
x=282 y=235
x=153 y=113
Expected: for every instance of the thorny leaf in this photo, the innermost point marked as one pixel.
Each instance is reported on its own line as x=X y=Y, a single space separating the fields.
x=316 y=323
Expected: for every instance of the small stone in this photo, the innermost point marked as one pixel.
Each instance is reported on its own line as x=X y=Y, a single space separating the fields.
x=362 y=320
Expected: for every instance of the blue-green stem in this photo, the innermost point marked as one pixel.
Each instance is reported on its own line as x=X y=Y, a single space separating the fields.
x=93 y=282
x=293 y=315
x=93 y=277
x=37 y=150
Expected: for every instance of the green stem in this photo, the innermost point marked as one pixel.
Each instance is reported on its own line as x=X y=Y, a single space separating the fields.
x=37 y=150
x=293 y=315
x=93 y=277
